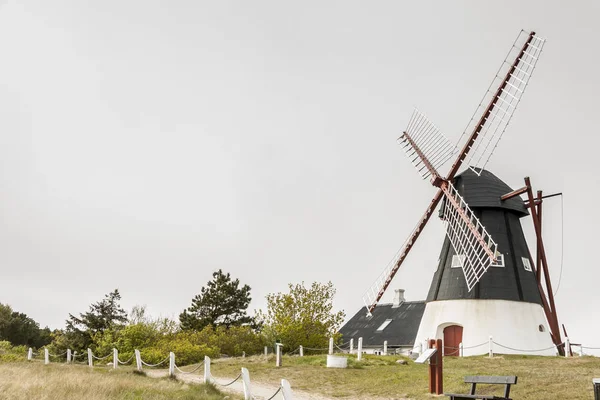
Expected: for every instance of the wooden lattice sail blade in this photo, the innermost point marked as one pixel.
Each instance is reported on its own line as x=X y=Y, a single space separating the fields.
x=475 y=248
x=425 y=145
x=372 y=296
x=500 y=101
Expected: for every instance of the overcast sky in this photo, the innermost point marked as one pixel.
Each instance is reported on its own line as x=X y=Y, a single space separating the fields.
x=145 y=144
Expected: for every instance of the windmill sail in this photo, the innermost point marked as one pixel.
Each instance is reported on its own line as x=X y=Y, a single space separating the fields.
x=424 y=144
x=372 y=296
x=468 y=236
x=500 y=101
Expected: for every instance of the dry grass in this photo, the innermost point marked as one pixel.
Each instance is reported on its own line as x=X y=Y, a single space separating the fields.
x=35 y=381
x=382 y=377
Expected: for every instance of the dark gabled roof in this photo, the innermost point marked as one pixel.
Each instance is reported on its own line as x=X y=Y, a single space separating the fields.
x=401 y=331
x=484 y=191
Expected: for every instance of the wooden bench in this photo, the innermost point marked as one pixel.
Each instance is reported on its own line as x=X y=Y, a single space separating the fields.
x=488 y=380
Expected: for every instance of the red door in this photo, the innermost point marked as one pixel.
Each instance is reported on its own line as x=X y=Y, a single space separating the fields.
x=452 y=339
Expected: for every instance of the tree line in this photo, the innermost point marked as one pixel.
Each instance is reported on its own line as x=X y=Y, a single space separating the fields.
x=216 y=323
x=19 y=329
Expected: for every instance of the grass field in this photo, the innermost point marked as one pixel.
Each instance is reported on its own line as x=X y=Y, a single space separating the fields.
x=381 y=377
x=35 y=381
x=376 y=377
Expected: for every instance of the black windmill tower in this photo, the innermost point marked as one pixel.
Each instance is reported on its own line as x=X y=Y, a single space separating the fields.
x=481 y=213
x=510 y=277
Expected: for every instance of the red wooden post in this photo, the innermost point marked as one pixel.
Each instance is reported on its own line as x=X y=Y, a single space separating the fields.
x=432 y=369
x=439 y=376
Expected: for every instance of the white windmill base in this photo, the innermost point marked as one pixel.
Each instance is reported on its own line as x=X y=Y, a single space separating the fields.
x=514 y=324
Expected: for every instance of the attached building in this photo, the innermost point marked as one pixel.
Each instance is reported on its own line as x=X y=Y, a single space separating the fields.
x=397 y=323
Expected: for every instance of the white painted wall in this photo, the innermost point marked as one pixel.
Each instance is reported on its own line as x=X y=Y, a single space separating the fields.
x=511 y=323
x=391 y=350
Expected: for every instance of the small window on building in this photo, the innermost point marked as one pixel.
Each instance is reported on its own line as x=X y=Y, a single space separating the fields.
x=542 y=328
x=499 y=260
x=526 y=264
x=384 y=325
x=457 y=260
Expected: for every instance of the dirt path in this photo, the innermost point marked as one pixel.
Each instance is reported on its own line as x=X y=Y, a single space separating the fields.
x=260 y=391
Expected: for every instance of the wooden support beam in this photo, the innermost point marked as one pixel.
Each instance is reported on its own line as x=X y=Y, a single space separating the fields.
x=538 y=273
x=514 y=193
x=553 y=320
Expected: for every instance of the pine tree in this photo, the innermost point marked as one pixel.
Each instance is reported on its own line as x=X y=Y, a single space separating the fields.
x=221 y=303
x=103 y=315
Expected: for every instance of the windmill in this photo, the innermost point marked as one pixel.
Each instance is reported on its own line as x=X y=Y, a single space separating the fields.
x=471 y=249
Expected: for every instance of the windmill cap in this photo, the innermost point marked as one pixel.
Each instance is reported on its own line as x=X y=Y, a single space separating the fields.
x=485 y=190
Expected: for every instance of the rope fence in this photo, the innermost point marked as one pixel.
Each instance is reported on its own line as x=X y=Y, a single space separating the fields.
x=228 y=384
x=125 y=362
x=275 y=394
x=524 y=350
x=343 y=347
x=157 y=364
x=283 y=388
x=189 y=372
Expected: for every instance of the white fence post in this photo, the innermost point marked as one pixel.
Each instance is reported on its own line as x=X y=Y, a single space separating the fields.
x=330 y=346
x=567 y=346
x=286 y=390
x=351 y=345
x=246 y=382
x=243 y=354
x=461 y=350
x=207 y=376
x=68 y=356
x=138 y=360
x=301 y=351
x=46 y=357
x=359 y=350
x=29 y=354
x=278 y=347
x=266 y=351
x=580 y=350
x=491 y=343
x=171 y=364
x=90 y=358
x=115 y=358
x=385 y=347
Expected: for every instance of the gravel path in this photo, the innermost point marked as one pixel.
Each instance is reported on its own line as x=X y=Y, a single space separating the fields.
x=260 y=391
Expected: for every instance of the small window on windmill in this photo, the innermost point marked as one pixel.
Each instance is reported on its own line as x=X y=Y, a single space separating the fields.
x=499 y=261
x=457 y=260
x=526 y=264
x=384 y=325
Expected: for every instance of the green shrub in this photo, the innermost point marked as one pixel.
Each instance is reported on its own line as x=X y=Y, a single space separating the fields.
x=156 y=338
x=153 y=355
x=238 y=340
x=9 y=352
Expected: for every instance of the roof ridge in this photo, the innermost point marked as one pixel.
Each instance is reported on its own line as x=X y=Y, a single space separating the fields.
x=404 y=302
